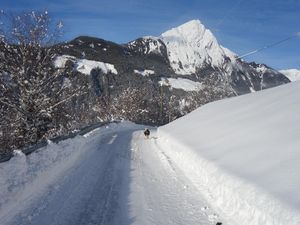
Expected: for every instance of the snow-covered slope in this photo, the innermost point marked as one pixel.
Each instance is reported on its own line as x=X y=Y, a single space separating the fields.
x=85 y=66
x=243 y=153
x=180 y=83
x=144 y=72
x=292 y=74
x=191 y=45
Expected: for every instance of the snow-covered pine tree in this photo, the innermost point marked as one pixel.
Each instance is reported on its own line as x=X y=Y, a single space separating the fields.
x=32 y=90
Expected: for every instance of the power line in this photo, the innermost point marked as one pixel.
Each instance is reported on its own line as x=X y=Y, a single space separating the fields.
x=269 y=46
x=233 y=8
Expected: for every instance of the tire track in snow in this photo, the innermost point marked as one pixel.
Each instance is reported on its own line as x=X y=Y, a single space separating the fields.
x=86 y=194
x=187 y=185
x=122 y=180
x=165 y=194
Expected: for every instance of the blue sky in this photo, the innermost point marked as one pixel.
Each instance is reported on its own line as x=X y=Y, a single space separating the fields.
x=240 y=25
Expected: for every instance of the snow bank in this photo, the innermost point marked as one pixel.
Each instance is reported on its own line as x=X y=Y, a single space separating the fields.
x=180 y=83
x=25 y=176
x=243 y=154
x=85 y=66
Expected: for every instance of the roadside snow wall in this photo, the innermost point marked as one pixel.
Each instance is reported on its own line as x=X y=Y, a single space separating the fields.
x=243 y=153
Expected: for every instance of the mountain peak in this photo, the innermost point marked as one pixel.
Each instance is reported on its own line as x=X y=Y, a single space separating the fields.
x=191 y=46
x=190 y=30
x=191 y=24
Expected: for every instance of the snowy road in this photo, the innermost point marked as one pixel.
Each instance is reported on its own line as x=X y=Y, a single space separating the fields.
x=122 y=179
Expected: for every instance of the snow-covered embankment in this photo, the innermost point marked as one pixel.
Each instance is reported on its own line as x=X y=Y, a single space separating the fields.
x=243 y=153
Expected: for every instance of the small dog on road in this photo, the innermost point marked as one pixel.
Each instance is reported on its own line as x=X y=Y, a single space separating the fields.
x=147 y=132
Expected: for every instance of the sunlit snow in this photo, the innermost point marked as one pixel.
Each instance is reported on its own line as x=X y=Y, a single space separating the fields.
x=191 y=45
x=180 y=83
x=244 y=154
x=85 y=66
x=144 y=72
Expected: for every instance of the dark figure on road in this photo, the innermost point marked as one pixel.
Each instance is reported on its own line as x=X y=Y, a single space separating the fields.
x=147 y=133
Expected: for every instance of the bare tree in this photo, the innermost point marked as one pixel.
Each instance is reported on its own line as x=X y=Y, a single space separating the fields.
x=214 y=87
x=32 y=90
x=129 y=104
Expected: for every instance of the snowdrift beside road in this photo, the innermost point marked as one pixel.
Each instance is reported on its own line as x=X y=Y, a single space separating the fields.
x=244 y=154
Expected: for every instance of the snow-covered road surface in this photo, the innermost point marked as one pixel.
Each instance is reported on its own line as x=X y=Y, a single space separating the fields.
x=121 y=178
x=160 y=193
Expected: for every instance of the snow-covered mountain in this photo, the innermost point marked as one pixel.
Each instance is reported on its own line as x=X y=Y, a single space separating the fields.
x=292 y=74
x=192 y=49
x=177 y=62
x=191 y=46
x=189 y=49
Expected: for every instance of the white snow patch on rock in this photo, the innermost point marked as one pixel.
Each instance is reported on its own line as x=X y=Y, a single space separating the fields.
x=60 y=61
x=261 y=68
x=83 y=65
x=180 y=83
x=154 y=44
x=144 y=72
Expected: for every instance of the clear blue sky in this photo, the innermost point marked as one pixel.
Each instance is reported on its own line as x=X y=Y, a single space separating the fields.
x=240 y=25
